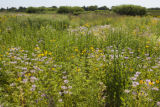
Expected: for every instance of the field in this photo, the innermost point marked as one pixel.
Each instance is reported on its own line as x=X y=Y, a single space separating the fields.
x=89 y=60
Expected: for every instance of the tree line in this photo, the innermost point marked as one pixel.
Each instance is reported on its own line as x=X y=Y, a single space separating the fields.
x=53 y=8
x=121 y=9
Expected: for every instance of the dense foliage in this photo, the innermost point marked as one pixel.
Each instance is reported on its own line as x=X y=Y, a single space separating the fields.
x=36 y=9
x=103 y=8
x=61 y=9
x=67 y=9
x=132 y=10
x=78 y=10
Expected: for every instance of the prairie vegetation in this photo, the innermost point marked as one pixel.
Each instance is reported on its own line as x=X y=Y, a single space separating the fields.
x=90 y=60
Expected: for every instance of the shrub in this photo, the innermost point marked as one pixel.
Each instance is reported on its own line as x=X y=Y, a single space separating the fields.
x=103 y=8
x=12 y=9
x=77 y=9
x=92 y=8
x=21 y=9
x=67 y=9
x=132 y=10
x=35 y=9
x=31 y=10
x=73 y=10
x=64 y=9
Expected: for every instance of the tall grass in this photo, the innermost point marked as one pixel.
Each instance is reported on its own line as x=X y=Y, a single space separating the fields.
x=65 y=61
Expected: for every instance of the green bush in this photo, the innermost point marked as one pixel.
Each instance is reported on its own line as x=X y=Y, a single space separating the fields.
x=103 y=8
x=67 y=9
x=35 y=9
x=92 y=8
x=132 y=10
x=31 y=10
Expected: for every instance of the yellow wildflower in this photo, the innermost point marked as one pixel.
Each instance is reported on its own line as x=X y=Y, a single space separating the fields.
x=151 y=83
x=76 y=49
x=52 y=40
x=154 y=21
x=100 y=51
x=147 y=46
x=7 y=53
x=50 y=53
x=19 y=79
x=45 y=53
x=21 y=50
x=141 y=81
x=87 y=25
x=92 y=48
x=141 y=93
x=37 y=48
x=97 y=69
x=78 y=69
x=53 y=69
x=40 y=55
x=84 y=51
x=157 y=81
x=27 y=75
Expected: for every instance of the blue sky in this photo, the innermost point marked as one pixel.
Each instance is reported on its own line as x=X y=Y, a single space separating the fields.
x=48 y=3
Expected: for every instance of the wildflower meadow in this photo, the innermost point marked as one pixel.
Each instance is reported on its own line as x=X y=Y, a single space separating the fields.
x=89 y=60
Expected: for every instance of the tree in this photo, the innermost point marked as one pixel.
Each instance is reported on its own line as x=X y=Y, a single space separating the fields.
x=103 y=8
x=12 y=9
x=2 y=9
x=67 y=9
x=92 y=8
x=21 y=9
x=31 y=10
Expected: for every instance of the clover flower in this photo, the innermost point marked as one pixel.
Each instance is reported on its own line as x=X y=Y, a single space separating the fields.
x=24 y=68
x=66 y=92
x=32 y=71
x=64 y=87
x=126 y=91
x=126 y=57
x=155 y=67
x=60 y=93
x=33 y=87
x=12 y=85
x=69 y=87
x=155 y=88
x=134 y=93
x=60 y=100
x=134 y=84
x=13 y=62
x=33 y=79
x=64 y=72
x=25 y=80
x=64 y=77
x=137 y=73
x=150 y=70
x=66 y=81
x=158 y=104
x=133 y=78
x=43 y=95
